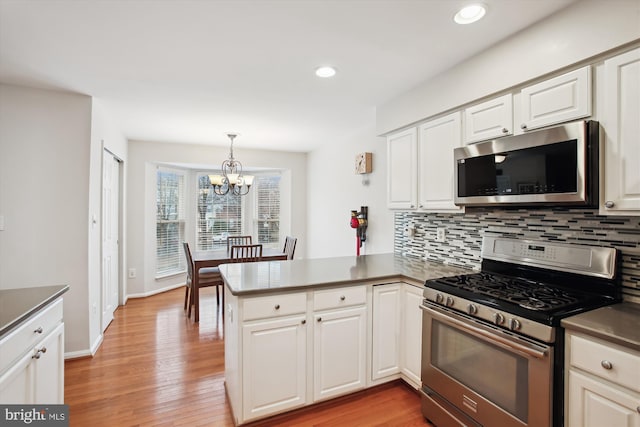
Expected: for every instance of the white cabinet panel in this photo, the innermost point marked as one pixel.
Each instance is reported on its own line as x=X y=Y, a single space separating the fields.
x=386 y=330
x=274 y=366
x=339 y=352
x=490 y=119
x=595 y=404
x=621 y=122
x=560 y=99
x=402 y=176
x=412 y=334
x=437 y=140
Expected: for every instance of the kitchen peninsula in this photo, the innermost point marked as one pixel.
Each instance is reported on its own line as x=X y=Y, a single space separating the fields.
x=303 y=331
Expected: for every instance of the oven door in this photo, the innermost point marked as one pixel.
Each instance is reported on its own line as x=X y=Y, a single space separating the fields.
x=494 y=377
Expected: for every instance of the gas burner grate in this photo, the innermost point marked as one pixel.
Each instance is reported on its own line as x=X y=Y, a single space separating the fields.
x=527 y=294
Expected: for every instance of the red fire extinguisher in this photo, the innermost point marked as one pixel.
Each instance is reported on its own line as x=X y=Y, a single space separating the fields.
x=359 y=221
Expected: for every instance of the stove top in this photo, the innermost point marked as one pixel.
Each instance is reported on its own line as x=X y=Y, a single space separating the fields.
x=524 y=282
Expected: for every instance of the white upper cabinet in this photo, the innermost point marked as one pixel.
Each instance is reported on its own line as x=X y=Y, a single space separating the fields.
x=560 y=99
x=621 y=123
x=490 y=119
x=437 y=140
x=402 y=175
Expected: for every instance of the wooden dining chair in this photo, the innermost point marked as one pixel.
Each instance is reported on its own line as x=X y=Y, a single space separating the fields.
x=290 y=246
x=209 y=276
x=237 y=240
x=245 y=253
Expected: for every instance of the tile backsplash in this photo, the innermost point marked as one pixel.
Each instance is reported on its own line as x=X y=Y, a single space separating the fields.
x=463 y=237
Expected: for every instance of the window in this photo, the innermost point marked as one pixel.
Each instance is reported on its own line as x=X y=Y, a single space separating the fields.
x=266 y=221
x=217 y=216
x=169 y=223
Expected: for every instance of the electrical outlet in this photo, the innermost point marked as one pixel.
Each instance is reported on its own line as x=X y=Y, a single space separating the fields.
x=132 y=273
x=410 y=232
x=440 y=234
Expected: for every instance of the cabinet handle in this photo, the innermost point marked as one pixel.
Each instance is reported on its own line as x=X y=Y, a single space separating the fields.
x=304 y=321
x=609 y=204
x=319 y=319
x=505 y=130
x=606 y=364
x=277 y=307
x=38 y=331
x=523 y=126
x=342 y=298
x=39 y=352
x=413 y=206
x=638 y=409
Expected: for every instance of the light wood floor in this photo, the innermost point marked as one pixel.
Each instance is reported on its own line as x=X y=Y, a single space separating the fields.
x=157 y=368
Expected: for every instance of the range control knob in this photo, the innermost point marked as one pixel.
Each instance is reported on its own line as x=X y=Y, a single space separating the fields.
x=472 y=309
x=439 y=298
x=498 y=319
x=449 y=302
x=514 y=324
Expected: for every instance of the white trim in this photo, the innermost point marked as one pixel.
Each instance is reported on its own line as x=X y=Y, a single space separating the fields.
x=156 y=291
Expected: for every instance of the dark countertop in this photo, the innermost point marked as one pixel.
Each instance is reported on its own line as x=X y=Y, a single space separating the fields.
x=618 y=323
x=16 y=305
x=278 y=276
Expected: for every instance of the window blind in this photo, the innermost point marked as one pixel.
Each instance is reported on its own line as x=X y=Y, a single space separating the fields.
x=266 y=219
x=170 y=223
x=217 y=216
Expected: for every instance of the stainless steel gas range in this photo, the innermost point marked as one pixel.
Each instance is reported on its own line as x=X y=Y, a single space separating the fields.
x=492 y=348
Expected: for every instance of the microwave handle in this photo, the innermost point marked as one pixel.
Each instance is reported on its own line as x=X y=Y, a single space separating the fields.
x=481 y=333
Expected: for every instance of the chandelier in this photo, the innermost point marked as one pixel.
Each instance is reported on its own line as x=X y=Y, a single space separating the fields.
x=232 y=180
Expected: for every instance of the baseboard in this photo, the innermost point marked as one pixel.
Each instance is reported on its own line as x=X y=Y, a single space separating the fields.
x=156 y=291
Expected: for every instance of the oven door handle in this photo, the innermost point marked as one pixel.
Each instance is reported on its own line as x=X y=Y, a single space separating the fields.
x=481 y=333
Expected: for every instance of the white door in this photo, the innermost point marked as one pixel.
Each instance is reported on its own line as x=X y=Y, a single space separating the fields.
x=339 y=352
x=402 y=176
x=385 y=359
x=438 y=138
x=621 y=121
x=412 y=334
x=110 y=231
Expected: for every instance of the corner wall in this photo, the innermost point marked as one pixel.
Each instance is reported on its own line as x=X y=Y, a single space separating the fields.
x=44 y=198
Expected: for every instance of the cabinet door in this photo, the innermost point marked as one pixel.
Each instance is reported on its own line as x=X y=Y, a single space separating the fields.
x=16 y=384
x=339 y=361
x=621 y=121
x=438 y=138
x=273 y=366
x=412 y=334
x=386 y=330
x=402 y=177
x=491 y=119
x=49 y=368
x=596 y=403
x=560 y=99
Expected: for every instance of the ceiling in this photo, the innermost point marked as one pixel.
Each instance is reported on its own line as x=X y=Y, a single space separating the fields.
x=191 y=71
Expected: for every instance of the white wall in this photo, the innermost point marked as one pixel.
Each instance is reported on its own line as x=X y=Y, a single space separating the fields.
x=577 y=33
x=141 y=209
x=103 y=135
x=334 y=190
x=44 y=197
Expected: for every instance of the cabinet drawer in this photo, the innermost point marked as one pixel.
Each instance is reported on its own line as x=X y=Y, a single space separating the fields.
x=27 y=335
x=274 y=305
x=341 y=297
x=595 y=357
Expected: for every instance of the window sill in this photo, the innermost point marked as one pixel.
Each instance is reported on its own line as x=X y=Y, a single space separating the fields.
x=172 y=274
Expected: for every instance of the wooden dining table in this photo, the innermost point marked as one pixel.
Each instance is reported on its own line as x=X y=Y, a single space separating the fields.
x=214 y=258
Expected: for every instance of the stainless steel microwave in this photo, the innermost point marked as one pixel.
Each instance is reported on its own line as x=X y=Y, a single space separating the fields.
x=556 y=166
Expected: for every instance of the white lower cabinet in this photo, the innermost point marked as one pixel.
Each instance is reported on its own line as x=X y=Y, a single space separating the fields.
x=412 y=334
x=32 y=360
x=339 y=341
x=397 y=333
x=603 y=383
x=385 y=358
x=274 y=359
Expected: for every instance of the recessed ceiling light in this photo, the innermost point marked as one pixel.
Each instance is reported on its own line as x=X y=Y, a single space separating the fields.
x=325 y=72
x=470 y=13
